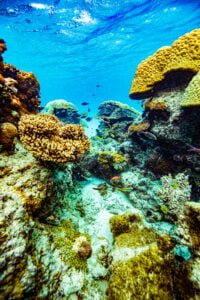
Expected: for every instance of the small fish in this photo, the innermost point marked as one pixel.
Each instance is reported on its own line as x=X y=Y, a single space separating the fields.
x=98 y=85
x=148 y=135
x=28 y=21
x=193 y=149
x=88 y=119
x=93 y=95
x=123 y=189
x=88 y=109
x=84 y=103
x=115 y=178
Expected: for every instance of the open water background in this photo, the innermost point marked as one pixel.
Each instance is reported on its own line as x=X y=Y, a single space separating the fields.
x=88 y=50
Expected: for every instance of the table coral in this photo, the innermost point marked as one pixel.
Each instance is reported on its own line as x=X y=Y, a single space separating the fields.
x=49 y=140
x=182 y=55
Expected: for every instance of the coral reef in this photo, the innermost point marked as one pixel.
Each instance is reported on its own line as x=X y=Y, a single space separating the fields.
x=119 y=222
x=115 y=119
x=49 y=140
x=63 y=110
x=166 y=62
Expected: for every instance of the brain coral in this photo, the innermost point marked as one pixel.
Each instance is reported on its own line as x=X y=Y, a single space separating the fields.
x=47 y=139
x=183 y=55
x=191 y=95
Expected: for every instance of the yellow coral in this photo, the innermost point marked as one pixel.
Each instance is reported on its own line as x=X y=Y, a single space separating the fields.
x=47 y=139
x=184 y=54
x=142 y=261
x=110 y=157
x=144 y=126
x=191 y=95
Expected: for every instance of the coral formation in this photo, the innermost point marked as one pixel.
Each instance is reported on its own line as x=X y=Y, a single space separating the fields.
x=8 y=132
x=63 y=110
x=191 y=95
x=49 y=140
x=19 y=95
x=138 y=127
x=142 y=261
x=182 y=55
x=25 y=178
x=106 y=164
x=174 y=193
x=115 y=119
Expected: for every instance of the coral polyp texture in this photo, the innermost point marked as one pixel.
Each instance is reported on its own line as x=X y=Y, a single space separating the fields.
x=49 y=140
x=191 y=95
x=183 y=55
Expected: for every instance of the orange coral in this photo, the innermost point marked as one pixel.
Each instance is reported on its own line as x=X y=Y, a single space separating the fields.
x=47 y=139
x=8 y=132
x=2 y=80
x=155 y=105
x=144 y=126
x=184 y=54
x=19 y=92
x=2 y=46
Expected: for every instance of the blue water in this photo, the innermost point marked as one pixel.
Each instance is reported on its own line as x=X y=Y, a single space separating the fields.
x=87 y=51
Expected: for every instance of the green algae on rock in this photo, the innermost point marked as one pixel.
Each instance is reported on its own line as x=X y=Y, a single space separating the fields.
x=142 y=262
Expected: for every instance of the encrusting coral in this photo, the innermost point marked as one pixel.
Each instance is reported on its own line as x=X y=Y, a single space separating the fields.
x=49 y=140
x=184 y=55
x=191 y=96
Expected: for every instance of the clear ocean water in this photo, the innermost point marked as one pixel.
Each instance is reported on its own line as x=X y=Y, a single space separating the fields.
x=88 y=50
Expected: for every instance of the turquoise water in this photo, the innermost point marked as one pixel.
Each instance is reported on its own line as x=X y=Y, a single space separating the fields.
x=89 y=50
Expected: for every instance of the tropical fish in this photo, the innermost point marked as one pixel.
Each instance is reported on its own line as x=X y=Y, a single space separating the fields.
x=88 y=119
x=84 y=103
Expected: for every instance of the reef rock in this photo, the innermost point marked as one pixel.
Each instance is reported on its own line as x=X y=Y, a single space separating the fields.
x=65 y=111
x=115 y=119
